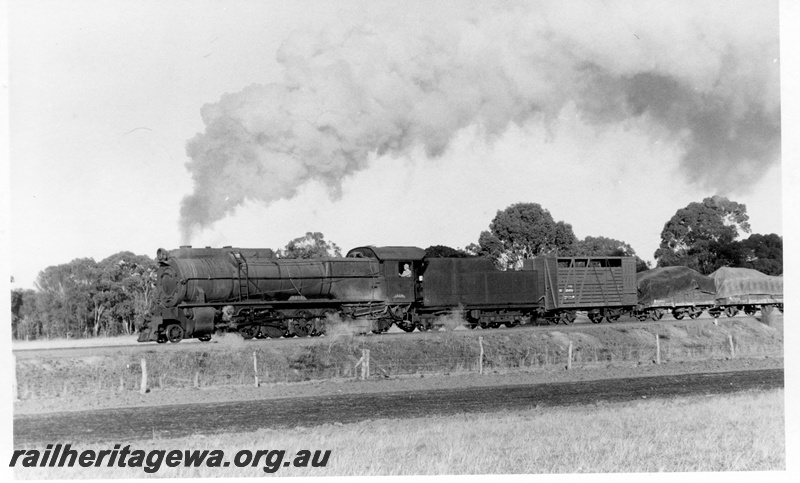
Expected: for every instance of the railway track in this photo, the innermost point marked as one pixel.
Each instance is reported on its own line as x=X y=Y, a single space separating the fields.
x=222 y=342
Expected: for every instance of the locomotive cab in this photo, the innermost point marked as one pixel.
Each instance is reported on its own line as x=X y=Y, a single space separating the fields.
x=400 y=267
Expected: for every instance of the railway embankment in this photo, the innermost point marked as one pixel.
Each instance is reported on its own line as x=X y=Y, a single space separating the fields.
x=336 y=363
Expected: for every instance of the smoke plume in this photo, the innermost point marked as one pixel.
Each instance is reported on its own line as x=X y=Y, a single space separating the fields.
x=698 y=74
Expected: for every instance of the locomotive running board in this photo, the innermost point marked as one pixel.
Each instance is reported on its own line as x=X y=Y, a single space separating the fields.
x=282 y=303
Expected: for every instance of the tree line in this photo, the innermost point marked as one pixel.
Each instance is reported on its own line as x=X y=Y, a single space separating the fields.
x=84 y=298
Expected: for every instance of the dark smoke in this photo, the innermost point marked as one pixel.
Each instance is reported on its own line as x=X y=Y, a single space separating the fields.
x=704 y=79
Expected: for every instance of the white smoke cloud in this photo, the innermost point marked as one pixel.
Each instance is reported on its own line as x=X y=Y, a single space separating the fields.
x=396 y=78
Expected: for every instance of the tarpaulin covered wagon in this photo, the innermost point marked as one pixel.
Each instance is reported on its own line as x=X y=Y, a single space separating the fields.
x=746 y=289
x=681 y=290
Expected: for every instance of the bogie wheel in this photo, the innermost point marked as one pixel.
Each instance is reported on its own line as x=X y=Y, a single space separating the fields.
x=677 y=315
x=162 y=339
x=595 y=317
x=731 y=311
x=205 y=338
x=569 y=316
x=695 y=313
x=750 y=310
x=423 y=328
x=656 y=314
x=174 y=333
x=642 y=316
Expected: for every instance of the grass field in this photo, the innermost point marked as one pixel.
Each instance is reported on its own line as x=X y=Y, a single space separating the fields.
x=740 y=432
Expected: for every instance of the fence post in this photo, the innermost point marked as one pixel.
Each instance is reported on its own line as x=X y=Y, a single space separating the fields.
x=255 y=367
x=197 y=379
x=730 y=341
x=364 y=363
x=658 y=350
x=480 y=359
x=143 y=388
x=569 y=357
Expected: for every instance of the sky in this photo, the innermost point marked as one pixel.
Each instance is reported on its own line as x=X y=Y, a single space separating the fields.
x=136 y=125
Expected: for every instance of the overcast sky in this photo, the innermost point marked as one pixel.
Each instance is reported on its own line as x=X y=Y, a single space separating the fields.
x=139 y=124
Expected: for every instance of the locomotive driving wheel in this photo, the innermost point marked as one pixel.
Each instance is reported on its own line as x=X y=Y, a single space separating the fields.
x=272 y=332
x=301 y=326
x=174 y=333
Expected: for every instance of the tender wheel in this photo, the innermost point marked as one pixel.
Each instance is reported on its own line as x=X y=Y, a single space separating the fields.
x=249 y=331
x=174 y=333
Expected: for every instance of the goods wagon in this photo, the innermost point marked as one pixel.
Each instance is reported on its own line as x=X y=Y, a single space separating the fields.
x=604 y=287
x=745 y=289
x=680 y=290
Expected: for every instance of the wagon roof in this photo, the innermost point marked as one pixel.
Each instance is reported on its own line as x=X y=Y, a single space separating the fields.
x=392 y=253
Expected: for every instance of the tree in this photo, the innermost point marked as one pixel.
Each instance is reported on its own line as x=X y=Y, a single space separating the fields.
x=696 y=235
x=523 y=231
x=442 y=251
x=763 y=253
x=606 y=247
x=313 y=245
x=66 y=304
x=128 y=284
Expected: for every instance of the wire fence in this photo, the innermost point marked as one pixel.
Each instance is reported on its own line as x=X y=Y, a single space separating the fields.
x=357 y=359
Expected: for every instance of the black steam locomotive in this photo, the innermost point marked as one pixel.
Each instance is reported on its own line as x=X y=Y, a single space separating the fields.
x=252 y=292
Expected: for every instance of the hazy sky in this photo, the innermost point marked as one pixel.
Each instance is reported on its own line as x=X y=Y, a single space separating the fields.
x=136 y=125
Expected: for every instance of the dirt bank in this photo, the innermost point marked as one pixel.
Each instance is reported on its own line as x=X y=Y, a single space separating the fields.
x=445 y=359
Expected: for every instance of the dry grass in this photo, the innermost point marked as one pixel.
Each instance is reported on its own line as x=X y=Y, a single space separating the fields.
x=230 y=361
x=740 y=432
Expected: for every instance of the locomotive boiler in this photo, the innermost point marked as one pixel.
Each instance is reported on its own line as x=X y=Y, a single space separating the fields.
x=201 y=290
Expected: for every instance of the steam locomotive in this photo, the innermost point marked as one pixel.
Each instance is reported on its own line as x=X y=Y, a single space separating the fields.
x=250 y=291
